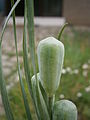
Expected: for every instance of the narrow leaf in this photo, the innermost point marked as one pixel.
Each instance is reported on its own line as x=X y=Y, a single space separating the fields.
x=19 y=71
x=41 y=105
x=7 y=19
x=25 y=52
x=26 y=104
x=30 y=22
x=45 y=97
x=25 y=58
x=2 y=81
x=4 y=95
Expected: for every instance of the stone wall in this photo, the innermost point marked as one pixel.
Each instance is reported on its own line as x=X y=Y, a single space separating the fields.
x=77 y=12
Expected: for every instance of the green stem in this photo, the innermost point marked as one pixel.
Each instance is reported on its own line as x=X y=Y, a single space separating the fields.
x=51 y=103
x=61 y=31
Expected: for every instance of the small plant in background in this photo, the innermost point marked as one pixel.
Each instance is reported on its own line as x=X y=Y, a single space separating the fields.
x=43 y=85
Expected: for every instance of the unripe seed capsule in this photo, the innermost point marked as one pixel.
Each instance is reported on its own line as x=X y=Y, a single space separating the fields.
x=50 y=53
x=64 y=110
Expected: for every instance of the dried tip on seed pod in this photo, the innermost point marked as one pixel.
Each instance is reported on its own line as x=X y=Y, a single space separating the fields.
x=50 y=53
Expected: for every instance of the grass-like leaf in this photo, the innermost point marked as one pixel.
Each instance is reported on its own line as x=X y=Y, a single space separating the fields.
x=4 y=94
x=25 y=52
x=45 y=97
x=25 y=58
x=30 y=22
x=7 y=19
x=24 y=97
x=41 y=104
x=39 y=100
x=19 y=71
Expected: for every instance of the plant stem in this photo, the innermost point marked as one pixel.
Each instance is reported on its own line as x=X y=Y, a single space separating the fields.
x=51 y=103
x=61 y=31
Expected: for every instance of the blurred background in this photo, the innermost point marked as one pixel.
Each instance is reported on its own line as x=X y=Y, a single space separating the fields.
x=50 y=15
x=75 y=12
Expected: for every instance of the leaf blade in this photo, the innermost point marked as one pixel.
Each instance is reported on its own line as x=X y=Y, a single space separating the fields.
x=30 y=21
x=40 y=102
x=4 y=94
x=26 y=62
x=28 y=113
x=7 y=19
x=25 y=53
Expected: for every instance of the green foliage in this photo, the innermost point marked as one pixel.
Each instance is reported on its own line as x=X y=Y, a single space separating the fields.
x=19 y=71
x=4 y=92
x=77 y=44
x=70 y=84
x=39 y=100
x=30 y=25
x=43 y=86
x=5 y=100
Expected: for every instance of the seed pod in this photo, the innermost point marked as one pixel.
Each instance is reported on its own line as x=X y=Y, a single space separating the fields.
x=50 y=53
x=39 y=100
x=64 y=110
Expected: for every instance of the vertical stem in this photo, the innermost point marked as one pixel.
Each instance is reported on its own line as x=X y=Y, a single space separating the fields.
x=51 y=103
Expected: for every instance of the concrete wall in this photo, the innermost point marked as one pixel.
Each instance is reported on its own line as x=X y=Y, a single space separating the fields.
x=77 y=12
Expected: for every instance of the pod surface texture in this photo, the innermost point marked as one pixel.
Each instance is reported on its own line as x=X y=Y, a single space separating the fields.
x=50 y=53
x=64 y=110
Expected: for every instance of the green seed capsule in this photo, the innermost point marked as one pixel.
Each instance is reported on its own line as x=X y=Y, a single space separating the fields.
x=50 y=59
x=39 y=99
x=64 y=110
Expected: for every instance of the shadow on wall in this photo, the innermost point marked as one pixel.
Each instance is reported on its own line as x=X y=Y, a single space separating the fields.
x=2 y=9
x=41 y=8
x=2 y=6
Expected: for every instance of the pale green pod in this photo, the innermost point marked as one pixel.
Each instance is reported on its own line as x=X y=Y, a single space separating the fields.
x=64 y=110
x=50 y=53
x=39 y=99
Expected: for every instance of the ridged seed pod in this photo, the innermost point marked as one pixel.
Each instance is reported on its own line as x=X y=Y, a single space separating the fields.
x=50 y=53
x=64 y=110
